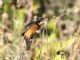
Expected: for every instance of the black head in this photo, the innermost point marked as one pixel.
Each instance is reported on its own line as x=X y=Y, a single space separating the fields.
x=40 y=20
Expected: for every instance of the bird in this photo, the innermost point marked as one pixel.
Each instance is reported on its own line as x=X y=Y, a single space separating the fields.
x=31 y=29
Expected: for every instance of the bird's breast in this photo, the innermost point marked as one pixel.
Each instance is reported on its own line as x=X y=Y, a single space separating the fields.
x=31 y=30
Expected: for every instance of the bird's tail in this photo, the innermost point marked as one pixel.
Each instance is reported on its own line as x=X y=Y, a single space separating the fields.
x=28 y=42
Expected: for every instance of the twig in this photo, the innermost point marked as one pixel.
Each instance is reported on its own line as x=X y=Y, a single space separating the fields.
x=29 y=15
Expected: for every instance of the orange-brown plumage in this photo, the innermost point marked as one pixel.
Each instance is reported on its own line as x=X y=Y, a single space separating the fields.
x=31 y=29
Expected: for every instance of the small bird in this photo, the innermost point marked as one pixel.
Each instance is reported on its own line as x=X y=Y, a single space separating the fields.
x=31 y=29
